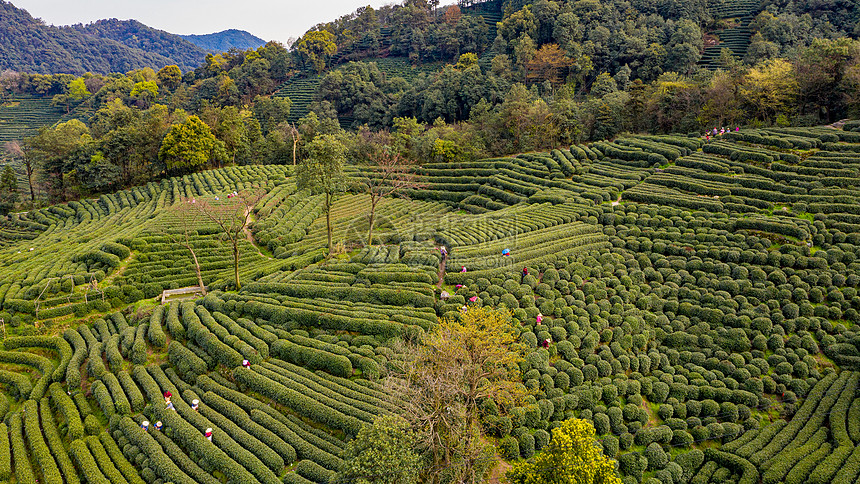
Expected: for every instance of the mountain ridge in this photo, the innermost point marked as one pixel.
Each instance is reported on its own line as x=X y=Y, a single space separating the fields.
x=225 y=40
x=28 y=44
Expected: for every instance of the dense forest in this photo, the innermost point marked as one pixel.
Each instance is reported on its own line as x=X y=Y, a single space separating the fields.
x=28 y=45
x=458 y=82
x=225 y=40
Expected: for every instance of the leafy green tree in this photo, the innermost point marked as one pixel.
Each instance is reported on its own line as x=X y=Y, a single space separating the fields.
x=381 y=453
x=144 y=92
x=169 y=77
x=571 y=457
x=770 y=88
x=316 y=48
x=271 y=111
x=77 y=90
x=466 y=61
x=50 y=149
x=819 y=70
x=322 y=172
x=190 y=145
x=466 y=359
x=8 y=190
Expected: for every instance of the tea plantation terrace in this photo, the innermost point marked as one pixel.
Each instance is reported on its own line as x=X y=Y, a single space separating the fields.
x=698 y=299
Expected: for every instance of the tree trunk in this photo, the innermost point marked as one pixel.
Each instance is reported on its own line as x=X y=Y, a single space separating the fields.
x=328 y=222
x=197 y=269
x=295 y=142
x=373 y=201
x=236 y=262
x=30 y=180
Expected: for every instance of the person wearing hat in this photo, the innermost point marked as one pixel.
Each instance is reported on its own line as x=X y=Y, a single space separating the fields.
x=194 y=404
x=246 y=364
x=208 y=434
x=168 y=403
x=144 y=425
x=158 y=425
x=506 y=252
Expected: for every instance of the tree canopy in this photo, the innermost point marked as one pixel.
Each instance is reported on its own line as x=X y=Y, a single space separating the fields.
x=189 y=145
x=571 y=457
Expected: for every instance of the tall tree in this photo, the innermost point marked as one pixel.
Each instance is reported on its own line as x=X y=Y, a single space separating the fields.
x=232 y=215
x=549 y=64
x=316 y=48
x=190 y=145
x=819 y=69
x=571 y=457
x=770 y=88
x=50 y=149
x=463 y=361
x=386 y=173
x=8 y=190
x=182 y=217
x=13 y=148
x=169 y=77
x=322 y=172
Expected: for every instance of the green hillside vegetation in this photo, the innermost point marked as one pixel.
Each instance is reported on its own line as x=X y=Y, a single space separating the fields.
x=104 y=47
x=697 y=305
x=21 y=116
x=225 y=40
x=138 y=36
x=691 y=297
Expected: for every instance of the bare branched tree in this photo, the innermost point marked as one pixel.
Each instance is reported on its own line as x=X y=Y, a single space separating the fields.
x=293 y=132
x=386 y=172
x=13 y=148
x=232 y=215
x=182 y=217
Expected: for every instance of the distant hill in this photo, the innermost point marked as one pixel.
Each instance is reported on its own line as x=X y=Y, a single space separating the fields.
x=226 y=40
x=27 y=44
x=187 y=55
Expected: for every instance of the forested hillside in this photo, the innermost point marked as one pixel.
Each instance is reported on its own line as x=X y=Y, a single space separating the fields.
x=225 y=40
x=187 y=55
x=28 y=45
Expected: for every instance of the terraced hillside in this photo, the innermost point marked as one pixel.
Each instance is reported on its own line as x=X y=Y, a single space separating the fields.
x=301 y=91
x=22 y=116
x=739 y=14
x=698 y=305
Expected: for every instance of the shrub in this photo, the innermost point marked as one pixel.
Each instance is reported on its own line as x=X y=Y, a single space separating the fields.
x=314 y=472
x=67 y=408
x=5 y=453
x=301 y=404
x=122 y=464
x=657 y=457
x=39 y=449
x=633 y=464
x=86 y=463
x=313 y=358
x=690 y=463
x=103 y=398
x=527 y=445
x=186 y=362
x=237 y=415
x=156 y=332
